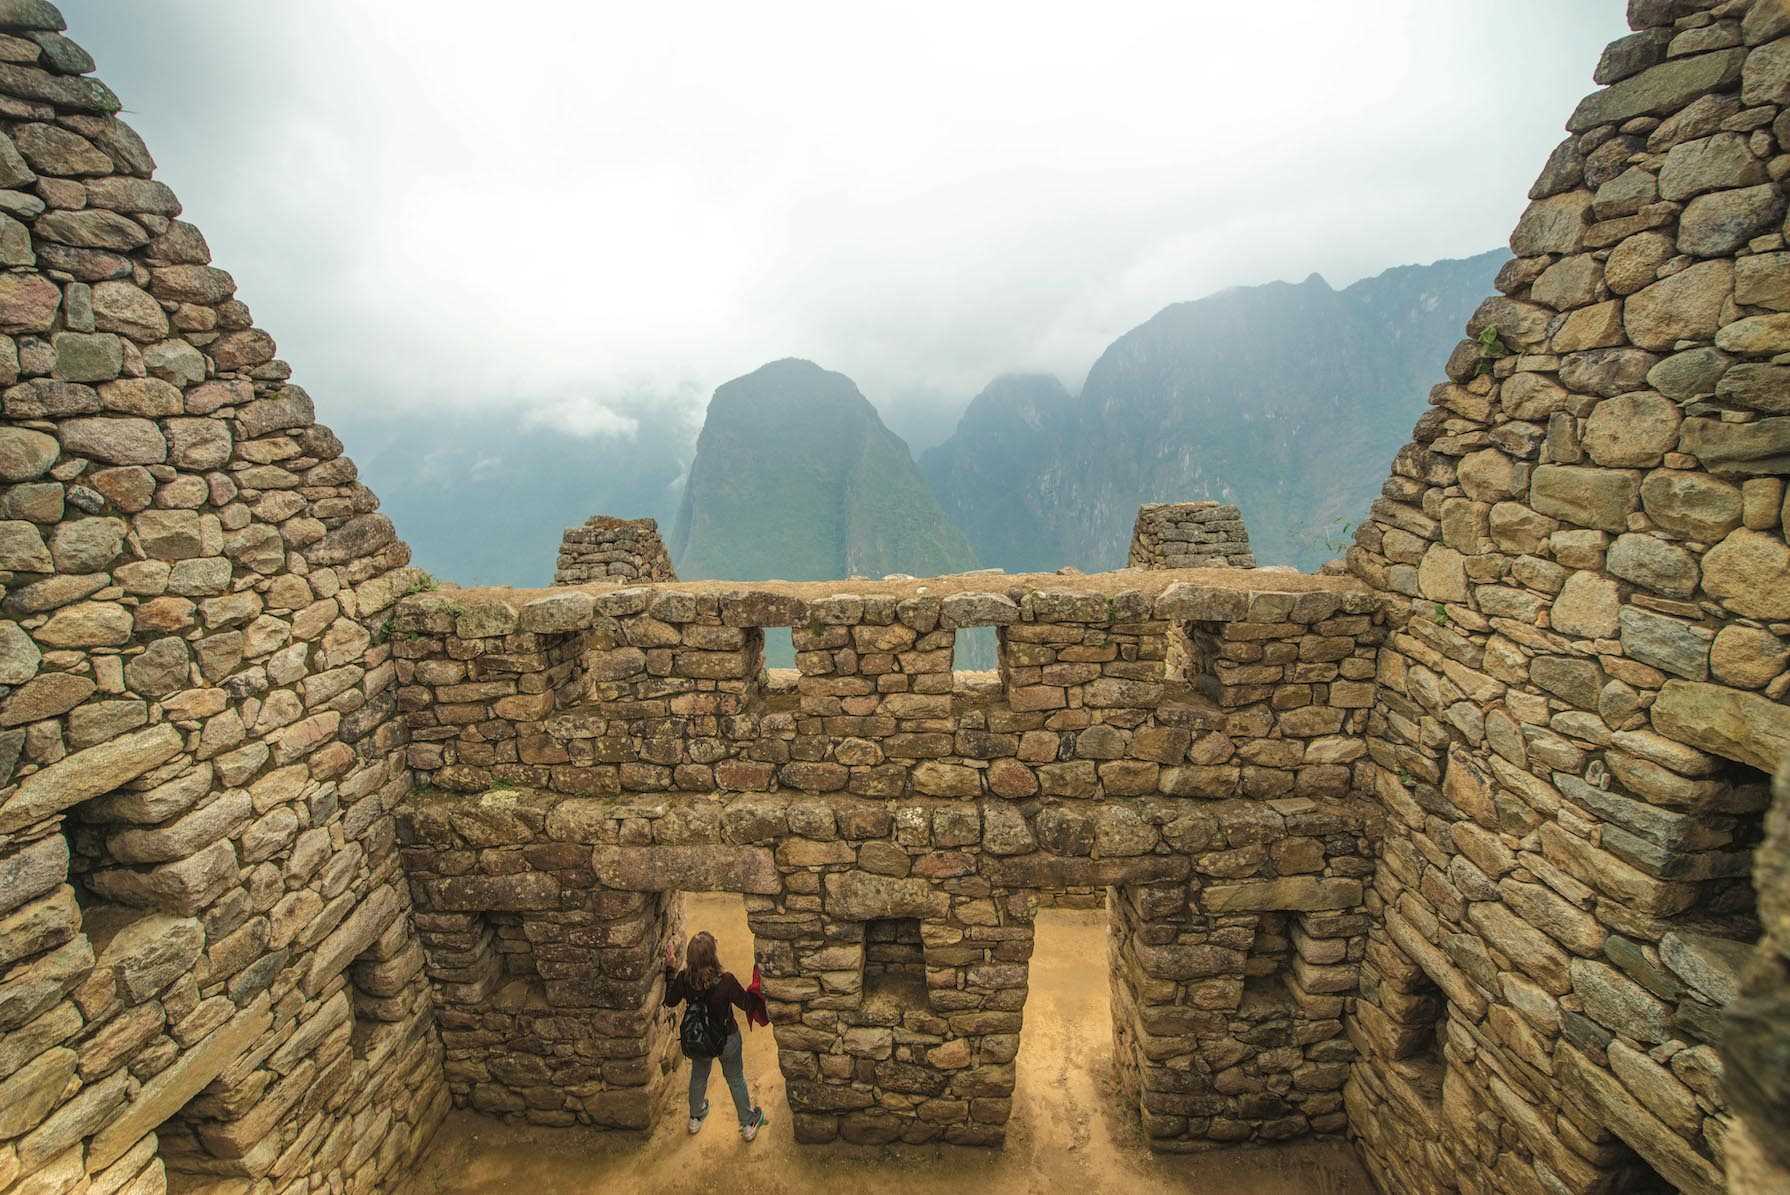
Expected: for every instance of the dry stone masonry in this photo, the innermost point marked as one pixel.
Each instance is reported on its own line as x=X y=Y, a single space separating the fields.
x=1467 y=852
x=1190 y=535
x=1583 y=552
x=1194 y=746
x=208 y=964
x=611 y=549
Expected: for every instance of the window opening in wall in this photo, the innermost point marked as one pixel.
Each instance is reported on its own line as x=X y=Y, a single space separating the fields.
x=1727 y=904
x=779 y=650
x=894 y=963
x=1421 y=1061
x=1638 y=1178
x=974 y=650
x=1710 y=943
x=380 y=989
x=151 y=948
x=1178 y=663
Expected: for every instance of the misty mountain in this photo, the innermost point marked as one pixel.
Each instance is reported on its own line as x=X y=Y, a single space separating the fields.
x=994 y=475
x=1286 y=399
x=796 y=477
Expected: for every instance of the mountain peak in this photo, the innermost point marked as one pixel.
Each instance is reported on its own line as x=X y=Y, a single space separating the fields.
x=795 y=476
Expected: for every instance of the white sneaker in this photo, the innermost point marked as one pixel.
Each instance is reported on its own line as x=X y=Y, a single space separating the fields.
x=749 y=1131
x=696 y=1121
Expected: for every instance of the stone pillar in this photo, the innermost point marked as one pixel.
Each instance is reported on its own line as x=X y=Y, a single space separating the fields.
x=1190 y=535
x=548 y=983
x=1228 y=998
x=871 y=1055
x=628 y=551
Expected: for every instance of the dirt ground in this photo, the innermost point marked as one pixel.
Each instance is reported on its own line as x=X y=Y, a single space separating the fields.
x=1068 y=1132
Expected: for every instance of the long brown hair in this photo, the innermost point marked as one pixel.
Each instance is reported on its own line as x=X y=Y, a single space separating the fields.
x=700 y=964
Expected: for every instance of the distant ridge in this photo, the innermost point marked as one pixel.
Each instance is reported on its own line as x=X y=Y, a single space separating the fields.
x=1286 y=399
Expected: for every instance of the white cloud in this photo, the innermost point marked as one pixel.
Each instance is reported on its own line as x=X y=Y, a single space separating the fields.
x=582 y=416
x=431 y=206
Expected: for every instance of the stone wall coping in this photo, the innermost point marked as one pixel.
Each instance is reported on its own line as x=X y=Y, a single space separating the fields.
x=514 y=816
x=962 y=600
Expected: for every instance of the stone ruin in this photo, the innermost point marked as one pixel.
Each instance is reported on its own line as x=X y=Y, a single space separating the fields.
x=611 y=549
x=1190 y=535
x=1467 y=854
x=628 y=745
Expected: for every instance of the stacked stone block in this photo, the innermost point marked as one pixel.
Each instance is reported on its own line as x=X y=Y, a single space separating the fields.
x=1174 y=686
x=207 y=964
x=1190 y=535
x=884 y=821
x=606 y=548
x=894 y=936
x=1584 y=550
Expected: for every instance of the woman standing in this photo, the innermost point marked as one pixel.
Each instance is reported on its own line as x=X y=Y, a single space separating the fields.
x=709 y=1030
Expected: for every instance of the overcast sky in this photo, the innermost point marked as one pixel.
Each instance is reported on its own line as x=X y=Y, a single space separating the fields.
x=547 y=206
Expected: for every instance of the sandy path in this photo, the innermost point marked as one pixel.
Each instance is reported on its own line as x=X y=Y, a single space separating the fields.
x=1067 y=1132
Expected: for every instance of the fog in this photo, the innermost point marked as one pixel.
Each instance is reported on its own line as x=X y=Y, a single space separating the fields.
x=558 y=209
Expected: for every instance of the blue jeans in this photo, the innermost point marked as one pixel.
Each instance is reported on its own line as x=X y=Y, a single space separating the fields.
x=732 y=1069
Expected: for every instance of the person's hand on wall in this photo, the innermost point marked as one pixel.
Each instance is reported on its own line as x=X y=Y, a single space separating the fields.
x=671 y=956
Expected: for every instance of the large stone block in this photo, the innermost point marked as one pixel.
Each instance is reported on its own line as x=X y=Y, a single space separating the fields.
x=170 y=1089
x=687 y=868
x=1736 y=725
x=521 y=892
x=87 y=773
x=861 y=896
x=1618 y=1111
x=363 y=926
x=1289 y=892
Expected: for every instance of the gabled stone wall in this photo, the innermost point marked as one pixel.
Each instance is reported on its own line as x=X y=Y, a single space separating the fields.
x=604 y=548
x=1584 y=557
x=207 y=963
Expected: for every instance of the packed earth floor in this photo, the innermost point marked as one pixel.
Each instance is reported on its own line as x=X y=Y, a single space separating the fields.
x=1068 y=1132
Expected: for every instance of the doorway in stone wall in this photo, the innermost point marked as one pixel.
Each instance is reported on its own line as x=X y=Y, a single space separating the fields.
x=723 y=914
x=1065 y=1093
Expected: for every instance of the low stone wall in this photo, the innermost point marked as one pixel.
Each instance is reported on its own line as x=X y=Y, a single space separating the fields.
x=610 y=549
x=1189 y=684
x=1190 y=535
x=1237 y=928
x=1190 y=745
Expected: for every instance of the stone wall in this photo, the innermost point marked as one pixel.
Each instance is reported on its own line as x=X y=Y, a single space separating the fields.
x=1237 y=926
x=1190 y=535
x=610 y=549
x=1191 y=742
x=207 y=962
x=1583 y=554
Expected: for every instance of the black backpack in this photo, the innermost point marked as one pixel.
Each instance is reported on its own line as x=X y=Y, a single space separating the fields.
x=700 y=1034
